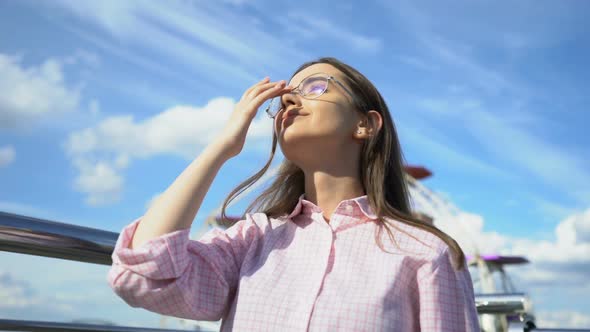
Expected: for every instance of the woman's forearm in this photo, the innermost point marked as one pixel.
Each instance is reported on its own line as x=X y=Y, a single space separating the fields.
x=176 y=208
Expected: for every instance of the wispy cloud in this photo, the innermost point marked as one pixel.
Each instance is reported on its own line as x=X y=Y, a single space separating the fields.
x=538 y=157
x=7 y=155
x=123 y=53
x=505 y=142
x=436 y=145
x=519 y=27
x=320 y=29
x=417 y=62
x=454 y=53
x=503 y=133
x=185 y=33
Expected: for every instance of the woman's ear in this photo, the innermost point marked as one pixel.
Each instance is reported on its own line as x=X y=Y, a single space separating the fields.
x=375 y=121
x=369 y=126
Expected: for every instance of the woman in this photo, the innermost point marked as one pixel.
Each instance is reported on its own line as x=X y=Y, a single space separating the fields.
x=314 y=257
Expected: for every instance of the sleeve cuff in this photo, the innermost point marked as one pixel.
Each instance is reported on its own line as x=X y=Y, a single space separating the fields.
x=162 y=257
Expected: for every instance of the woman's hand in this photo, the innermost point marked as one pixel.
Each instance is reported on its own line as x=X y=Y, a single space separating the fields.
x=233 y=136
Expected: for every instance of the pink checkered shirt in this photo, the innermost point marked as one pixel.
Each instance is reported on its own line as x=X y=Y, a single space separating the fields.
x=299 y=273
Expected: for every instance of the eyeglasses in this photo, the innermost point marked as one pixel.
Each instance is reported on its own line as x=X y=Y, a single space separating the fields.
x=311 y=87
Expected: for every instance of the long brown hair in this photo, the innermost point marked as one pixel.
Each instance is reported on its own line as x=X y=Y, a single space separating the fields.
x=381 y=170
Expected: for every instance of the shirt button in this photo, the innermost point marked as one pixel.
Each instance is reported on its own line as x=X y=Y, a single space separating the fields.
x=349 y=208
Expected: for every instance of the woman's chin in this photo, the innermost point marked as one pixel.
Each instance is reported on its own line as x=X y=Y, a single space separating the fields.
x=292 y=136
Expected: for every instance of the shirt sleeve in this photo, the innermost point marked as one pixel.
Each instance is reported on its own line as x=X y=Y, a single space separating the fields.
x=446 y=298
x=176 y=276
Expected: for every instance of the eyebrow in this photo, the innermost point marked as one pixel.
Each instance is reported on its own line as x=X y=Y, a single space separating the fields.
x=319 y=72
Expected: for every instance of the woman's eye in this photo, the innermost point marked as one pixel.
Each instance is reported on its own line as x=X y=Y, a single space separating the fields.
x=315 y=88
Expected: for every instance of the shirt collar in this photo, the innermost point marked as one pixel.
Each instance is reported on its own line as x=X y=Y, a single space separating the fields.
x=359 y=205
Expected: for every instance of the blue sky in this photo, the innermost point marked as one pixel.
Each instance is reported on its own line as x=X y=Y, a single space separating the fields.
x=104 y=104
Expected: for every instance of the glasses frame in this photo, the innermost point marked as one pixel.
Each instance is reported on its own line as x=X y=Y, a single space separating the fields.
x=298 y=91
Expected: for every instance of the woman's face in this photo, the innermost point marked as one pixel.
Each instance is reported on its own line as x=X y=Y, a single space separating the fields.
x=322 y=124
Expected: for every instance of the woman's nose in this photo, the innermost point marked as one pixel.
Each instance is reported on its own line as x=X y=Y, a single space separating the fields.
x=290 y=98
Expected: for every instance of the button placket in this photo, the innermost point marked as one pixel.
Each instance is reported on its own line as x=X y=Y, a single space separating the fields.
x=323 y=268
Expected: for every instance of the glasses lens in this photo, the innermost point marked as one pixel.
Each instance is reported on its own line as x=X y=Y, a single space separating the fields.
x=314 y=86
x=274 y=107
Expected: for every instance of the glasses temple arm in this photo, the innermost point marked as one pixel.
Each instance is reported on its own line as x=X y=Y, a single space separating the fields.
x=343 y=87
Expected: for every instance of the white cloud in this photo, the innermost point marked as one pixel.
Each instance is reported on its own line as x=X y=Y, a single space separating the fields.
x=102 y=152
x=100 y=181
x=64 y=293
x=566 y=259
x=19 y=294
x=179 y=130
x=560 y=265
x=13 y=293
x=562 y=319
x=561 y=262
x=7 y=155
x=466 y=228
x=31 y=93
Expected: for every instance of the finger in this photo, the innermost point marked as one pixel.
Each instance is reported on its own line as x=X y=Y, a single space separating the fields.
x=265 y=87
x=257 y=88
x=264 y=80
x=277 y=90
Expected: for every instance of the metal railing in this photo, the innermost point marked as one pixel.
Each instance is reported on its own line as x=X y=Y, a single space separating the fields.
x=501 y=303
x=32 y=236
x=25 y=325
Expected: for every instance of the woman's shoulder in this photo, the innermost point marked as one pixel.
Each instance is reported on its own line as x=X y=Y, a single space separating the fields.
x=415 y=241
